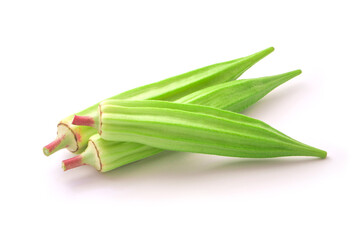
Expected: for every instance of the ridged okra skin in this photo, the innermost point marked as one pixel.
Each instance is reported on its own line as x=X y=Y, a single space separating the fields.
x=75 y=138
x=108 y=155
x=238 y=95
x=195 y=128
x=115 y=154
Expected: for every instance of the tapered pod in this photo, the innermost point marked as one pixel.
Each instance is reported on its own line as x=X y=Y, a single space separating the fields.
x=75 y=138
x=192 y=128
x=107 y=155
x=238 y=95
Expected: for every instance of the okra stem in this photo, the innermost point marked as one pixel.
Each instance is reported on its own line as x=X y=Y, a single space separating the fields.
x=64 y=140
x=84 y=121
x=73 y=162
x=55 y=145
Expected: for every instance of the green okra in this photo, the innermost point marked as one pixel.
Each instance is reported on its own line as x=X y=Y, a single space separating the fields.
x=107 y=155
x=192 y=128
x=75 y=138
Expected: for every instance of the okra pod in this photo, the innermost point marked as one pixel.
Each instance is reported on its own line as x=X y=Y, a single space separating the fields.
x=191 y=128
x=75 y=138
x=107 y=155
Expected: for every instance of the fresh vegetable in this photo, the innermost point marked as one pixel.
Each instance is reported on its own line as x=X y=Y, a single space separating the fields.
x=191 y=128
x=75 y=138
x=107 y=155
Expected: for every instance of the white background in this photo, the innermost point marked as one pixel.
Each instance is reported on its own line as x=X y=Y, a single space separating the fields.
x=58 y=57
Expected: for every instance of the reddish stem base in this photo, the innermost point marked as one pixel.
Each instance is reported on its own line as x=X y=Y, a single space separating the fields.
x=72 y=162
x=83 y=121
x=54 y=146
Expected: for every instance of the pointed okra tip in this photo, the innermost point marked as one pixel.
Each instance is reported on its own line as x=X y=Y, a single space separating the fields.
x=315 y=152
x=289 y=75
x=266 y=51
x=263 y=53
x=270 y=49
x=255 y=57
x=296 y=72
x=322 y=154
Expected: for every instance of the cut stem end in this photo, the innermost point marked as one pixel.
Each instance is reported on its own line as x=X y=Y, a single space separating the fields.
x=72 y=163
x=59 y=143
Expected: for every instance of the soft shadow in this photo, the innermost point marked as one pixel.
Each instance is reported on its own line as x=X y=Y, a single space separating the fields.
x=263 y=164
x=180 y=165
x=171 y=168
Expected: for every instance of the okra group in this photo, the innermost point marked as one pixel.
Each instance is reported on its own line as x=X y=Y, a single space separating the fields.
x=198 y=112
